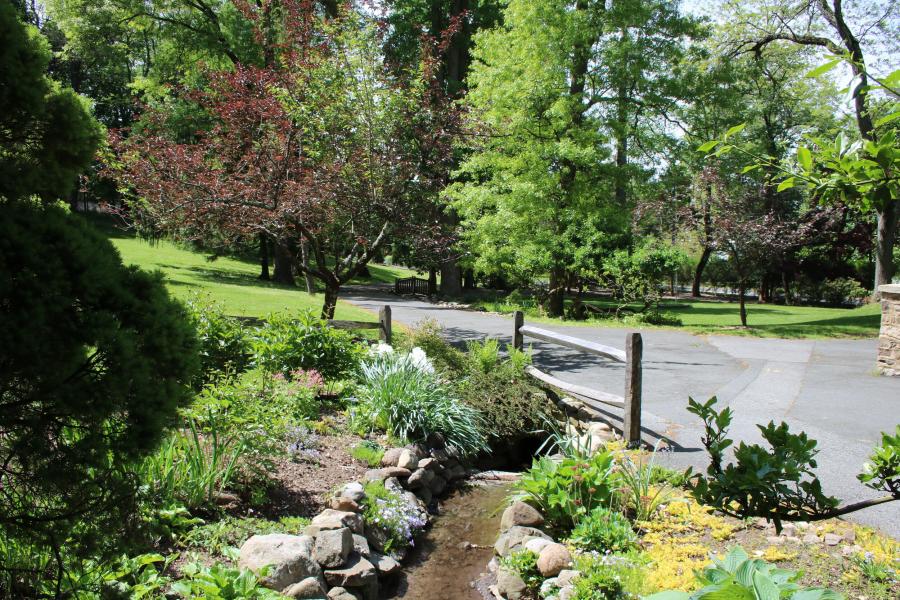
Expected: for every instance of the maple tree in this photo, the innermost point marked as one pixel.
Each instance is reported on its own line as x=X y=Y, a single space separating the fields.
x=323 y=146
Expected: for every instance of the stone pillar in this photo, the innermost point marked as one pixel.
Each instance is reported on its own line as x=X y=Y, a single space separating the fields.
x=889 y=337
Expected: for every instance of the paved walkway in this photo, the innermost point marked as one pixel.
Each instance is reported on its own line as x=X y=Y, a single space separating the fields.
x=824 y=387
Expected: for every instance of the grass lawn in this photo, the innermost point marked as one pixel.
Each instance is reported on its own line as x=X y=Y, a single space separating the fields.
x=769 y=320
x=233 y=282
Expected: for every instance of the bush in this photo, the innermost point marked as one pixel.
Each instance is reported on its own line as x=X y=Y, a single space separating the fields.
x=427 y=336
x=398 y=394
x=637 y=275
x=96 y=359
x=604 y=530
x=567 y=490
x=398 y=520
x=224 y=342
x=842 y=290
x=285 y=345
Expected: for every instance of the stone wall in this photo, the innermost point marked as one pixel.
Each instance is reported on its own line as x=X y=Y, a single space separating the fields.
x=889 y=337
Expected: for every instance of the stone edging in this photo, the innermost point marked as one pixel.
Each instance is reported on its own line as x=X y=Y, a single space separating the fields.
x=338 y=557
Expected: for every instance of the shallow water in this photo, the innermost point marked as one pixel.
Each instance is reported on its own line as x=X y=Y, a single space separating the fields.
x=455 y=551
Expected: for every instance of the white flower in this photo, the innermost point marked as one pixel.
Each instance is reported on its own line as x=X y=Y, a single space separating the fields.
x=419 y=359
x=380 y=349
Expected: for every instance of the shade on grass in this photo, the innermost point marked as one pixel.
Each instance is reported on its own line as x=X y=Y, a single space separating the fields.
x=230 y=281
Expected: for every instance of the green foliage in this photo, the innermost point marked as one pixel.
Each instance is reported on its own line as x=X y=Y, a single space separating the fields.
x=483 y=356
x=138 y=577
x=610 y=577
x=47 y=132
x=96 y=360
x=368 y=452
x=427 y=336
x=603 y=530
x=224 y=343
x=743 y=578
x=637 y=275
x=567 y=490
x=163 y=523
x=222 y=583
x=638 y=489
x=841 y=290
x=220 y=536
x=284 y=345
x=397 y=395
x=387 y=511
x=510 y=405
x=191 y=466
x=524 y=563
x=882 y=472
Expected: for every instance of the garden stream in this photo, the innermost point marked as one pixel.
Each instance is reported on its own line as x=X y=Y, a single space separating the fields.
x=454 y=553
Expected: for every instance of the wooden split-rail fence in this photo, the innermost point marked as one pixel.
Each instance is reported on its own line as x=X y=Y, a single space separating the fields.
x=631 y=356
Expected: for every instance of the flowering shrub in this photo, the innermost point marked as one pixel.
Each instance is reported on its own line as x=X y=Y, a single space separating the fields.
x=398 y=520
x=401 y=394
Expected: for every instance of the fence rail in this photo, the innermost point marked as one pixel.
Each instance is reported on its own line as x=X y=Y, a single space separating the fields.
x=632 y=356
x=411 y=285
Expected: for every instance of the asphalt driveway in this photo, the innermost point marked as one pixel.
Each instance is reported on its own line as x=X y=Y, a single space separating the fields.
x=827 y=388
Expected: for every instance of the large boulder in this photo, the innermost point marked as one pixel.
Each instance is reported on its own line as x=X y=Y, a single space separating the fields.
x=391 y=457
x=309 y=588
x=289 y=557
x=385 y=565
x=339 y=593
x=408 y=459
x=520 y=513
x=333 y=546
x=334 y=519
x=419 y=478
x=515 y=537
x=361 y=545
x=510 y=585
x=355 y=491
x=358 y=572
x=553 y=559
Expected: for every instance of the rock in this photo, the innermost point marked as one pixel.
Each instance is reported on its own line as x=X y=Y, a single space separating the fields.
x=358 y=572
x=520 y=513
x=334 y=519
x=391 y=456
x=850 y=535
x=385 y=565
x=802 y=525
x=788 y=530
x=375 y=475
x=811 y=538
x=344 y=504
x=428 y=463
x=553 y=559
x=290 y=557
x=832 y=539
x=761 y=523
x=437 y=485
x=510 y=585
x=848 y=551
x=419 y=478
x=441 y=454
x=792 y=539
x=355 y=491
x=537 y=544
x=567 y=576
x=361 y=545
x=398 y=472
x=311 y=587
x=339 y=593
x=333 y=546
x=775 y=540
x=566 y=593
x=226 y=498
x=408 y=459
x=515 y=537
x=493 y=564
x=424 y=495
x=549 y=586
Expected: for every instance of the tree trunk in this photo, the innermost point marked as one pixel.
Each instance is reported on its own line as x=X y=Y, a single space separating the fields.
x=283 y=263
x=764 y=297
x=432 y=281
x=451 y=278
x=556 y=297
x=331 y=295
x=786 y=284
x=264 y=257
x=469 y=279
x=742 y=292
x=698 y=272
x=884 y=246
x=304 y=260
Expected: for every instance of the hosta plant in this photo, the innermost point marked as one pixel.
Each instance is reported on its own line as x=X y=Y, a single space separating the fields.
x=740 y=577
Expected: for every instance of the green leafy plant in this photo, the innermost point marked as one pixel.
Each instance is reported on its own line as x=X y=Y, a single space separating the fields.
x=224 y=343
x=567 y=490
x=524 y=564
x=387 y=511
x=637 y=490
x=222 y=583
x=284 y=345
x=778 y=482
x=138 y=576
x=483 y=356
x=427 y=336
x=607 y=577
x=603 y=530
x=220 y=536
x=368 y=452
x=743 y=578
x=411 y=403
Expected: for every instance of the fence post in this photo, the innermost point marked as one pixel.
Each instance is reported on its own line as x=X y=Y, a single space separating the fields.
x=518 y=321
x=634 y=349
x=384 y=319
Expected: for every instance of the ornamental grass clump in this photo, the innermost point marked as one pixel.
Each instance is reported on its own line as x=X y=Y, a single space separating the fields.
x=401 y=394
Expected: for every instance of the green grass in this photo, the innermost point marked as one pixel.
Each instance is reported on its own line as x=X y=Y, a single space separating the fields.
x=764 y=320
x=230 y=281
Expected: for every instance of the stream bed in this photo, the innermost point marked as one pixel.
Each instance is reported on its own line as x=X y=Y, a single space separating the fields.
x=453 y=555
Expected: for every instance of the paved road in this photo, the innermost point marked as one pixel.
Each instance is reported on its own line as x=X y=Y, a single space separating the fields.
x=824 y=387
